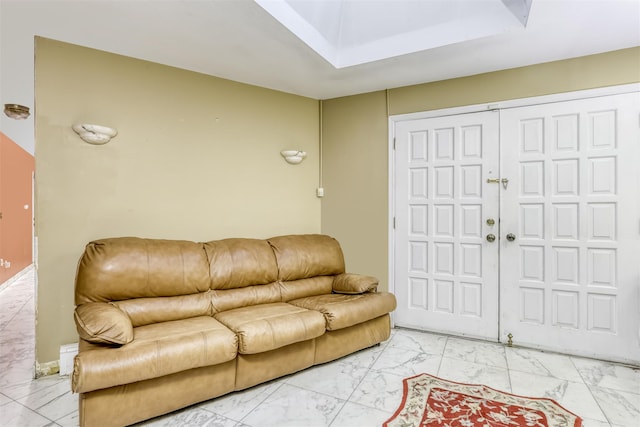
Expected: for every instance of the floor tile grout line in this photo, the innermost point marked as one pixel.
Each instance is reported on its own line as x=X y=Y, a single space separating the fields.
x=52 y=401
x=584 y=381
x=280 y=384
x=369 y=369
x=201 y=407
x=11 y=284
x=386 y=345
x=444 y=349
x=344 y=403
x=595 y=399
x=22 y=306
x=348 y=399
x=314 y=391
x=36 y=412
x=506 y=359
x=16 y=314
x=38 y=391
x=18 y=277
x=10 y=399
x=300 y=388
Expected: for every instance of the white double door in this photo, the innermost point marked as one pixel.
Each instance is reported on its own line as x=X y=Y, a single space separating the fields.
x=522 y=221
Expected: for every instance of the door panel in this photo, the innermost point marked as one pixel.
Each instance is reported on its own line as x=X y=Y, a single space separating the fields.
x=445 y=277
x=562 y=182
x=569 y=282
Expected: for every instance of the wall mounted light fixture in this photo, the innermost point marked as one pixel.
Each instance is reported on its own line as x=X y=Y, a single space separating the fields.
x=293 y=156
x=16 y=111
x=94 y=134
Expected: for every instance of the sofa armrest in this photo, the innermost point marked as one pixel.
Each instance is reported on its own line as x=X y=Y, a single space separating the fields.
x=348 y=283
x=103 y=323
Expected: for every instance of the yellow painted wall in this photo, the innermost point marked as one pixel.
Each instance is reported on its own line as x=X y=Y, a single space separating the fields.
x=196 y=157
x=588 y=72
x=355 y=161
x=354 y=208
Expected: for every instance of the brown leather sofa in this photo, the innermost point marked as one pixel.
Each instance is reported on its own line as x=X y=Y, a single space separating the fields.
x=164 y=324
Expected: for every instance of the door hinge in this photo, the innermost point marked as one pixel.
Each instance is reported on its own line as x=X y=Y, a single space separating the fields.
x=394 y=222
x=394 y=142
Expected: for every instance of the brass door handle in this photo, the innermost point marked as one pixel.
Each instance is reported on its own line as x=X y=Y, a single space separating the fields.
x=504 y=181
x=511 y=237
x=491 y=237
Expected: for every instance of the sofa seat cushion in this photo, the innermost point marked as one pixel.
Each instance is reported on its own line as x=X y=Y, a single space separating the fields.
x=158 y=349
x=341 y=311
x=265 y=327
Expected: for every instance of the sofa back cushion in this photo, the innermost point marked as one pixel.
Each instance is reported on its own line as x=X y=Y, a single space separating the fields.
x=307 y=255
x=145 y=311
x=228 y=299
x=294 y=289
x=238 y=263
x=128 y=267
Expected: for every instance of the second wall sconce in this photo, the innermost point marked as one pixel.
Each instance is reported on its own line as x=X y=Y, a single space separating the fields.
x=16 y=111
x=94 y=134
x=293 y=156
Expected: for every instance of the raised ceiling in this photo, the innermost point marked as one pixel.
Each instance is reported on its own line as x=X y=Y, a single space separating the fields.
x=347 y=32
x=369 y=45
x=240 y=40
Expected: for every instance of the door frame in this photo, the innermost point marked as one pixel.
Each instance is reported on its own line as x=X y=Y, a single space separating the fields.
x=512 y=103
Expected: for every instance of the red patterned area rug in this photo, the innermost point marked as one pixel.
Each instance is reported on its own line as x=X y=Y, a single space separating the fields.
x=429 y=401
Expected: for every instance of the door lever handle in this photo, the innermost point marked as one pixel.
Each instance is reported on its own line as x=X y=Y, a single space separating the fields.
x=504 y=181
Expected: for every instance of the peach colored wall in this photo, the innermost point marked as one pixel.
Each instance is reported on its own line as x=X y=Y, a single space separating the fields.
x=16 y=229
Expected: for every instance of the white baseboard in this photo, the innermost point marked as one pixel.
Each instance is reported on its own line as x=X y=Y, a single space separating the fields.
x=67 y=353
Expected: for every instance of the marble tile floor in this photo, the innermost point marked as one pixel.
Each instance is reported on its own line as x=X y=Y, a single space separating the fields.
x=363 y=389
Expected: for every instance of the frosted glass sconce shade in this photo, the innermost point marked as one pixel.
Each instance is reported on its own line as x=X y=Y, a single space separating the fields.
x=94 y=134
x=293 y=156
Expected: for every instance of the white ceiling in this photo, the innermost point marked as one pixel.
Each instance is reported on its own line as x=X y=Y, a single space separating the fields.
x=348 y=32
x=240 y=40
